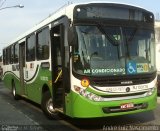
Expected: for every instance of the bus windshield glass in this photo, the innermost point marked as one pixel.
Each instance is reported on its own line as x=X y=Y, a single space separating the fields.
x=113 y=50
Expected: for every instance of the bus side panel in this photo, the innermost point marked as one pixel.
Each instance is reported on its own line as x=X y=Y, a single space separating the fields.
x=9 y=75
x=34 y=89
x=7 y=79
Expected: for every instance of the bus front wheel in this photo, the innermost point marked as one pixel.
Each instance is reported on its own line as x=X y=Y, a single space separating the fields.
x=47 y=105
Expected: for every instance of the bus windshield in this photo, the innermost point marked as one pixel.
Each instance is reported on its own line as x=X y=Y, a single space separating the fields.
x=113 y=50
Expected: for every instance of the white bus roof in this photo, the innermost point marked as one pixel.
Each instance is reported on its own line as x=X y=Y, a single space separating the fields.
x=66 y=10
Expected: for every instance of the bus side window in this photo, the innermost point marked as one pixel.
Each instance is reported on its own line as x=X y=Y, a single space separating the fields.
x=43 y=44
x=12 y=54
x=30 y=48
x=7 y=55
x=4 y=56
x=16 y=53
x=56 y=38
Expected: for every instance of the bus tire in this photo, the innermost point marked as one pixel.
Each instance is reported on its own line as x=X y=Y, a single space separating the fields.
x=15 y=96
x=47 y=105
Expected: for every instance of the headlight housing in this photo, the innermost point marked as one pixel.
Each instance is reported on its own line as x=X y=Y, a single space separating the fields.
x=150 y=91
x=87 y=94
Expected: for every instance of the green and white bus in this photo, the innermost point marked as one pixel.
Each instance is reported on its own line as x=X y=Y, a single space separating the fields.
x=86 y=60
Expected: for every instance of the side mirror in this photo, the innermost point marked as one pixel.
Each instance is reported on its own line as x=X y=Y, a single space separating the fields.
x=72 y=36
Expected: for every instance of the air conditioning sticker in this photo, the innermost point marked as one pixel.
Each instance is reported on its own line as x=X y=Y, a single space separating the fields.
x=105 y=71
x=131 y=68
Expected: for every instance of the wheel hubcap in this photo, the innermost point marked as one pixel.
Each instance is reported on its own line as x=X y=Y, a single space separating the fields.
x=14 y=91
x=50 y=107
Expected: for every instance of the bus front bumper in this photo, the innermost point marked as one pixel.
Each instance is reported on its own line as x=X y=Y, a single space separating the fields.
x=81 y=107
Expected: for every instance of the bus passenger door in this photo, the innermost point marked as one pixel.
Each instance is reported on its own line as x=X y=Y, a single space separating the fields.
x=56 y=51
x=60 y=63
x=22 y=66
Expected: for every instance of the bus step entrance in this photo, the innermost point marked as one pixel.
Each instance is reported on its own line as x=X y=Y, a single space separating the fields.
x=58 y=94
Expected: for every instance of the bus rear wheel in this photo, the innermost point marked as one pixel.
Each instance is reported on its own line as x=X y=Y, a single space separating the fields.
x=47 y=105
x=15 y=96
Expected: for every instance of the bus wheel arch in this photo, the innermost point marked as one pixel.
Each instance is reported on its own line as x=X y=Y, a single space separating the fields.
x=47 y=104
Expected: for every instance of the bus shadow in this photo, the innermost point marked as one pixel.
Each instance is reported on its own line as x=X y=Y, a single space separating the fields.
x=102 y=123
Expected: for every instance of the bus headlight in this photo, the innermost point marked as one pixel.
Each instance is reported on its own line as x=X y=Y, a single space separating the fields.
x=87 y=94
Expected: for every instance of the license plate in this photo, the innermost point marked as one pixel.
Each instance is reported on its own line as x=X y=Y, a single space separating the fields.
x=127 y=106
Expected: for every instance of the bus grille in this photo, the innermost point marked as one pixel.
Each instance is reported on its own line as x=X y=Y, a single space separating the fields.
x=124 y=95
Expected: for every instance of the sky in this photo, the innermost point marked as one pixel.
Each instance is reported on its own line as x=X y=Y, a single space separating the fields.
x=15 y=21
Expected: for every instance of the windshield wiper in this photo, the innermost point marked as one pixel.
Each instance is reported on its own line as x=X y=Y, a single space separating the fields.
x=132 y=35
x=129 y=39
x=111 y=39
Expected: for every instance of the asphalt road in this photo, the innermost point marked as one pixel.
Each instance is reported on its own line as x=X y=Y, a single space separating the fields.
x=26 y=115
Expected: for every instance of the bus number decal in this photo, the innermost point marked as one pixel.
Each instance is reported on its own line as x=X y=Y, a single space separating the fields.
x=44 y=78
